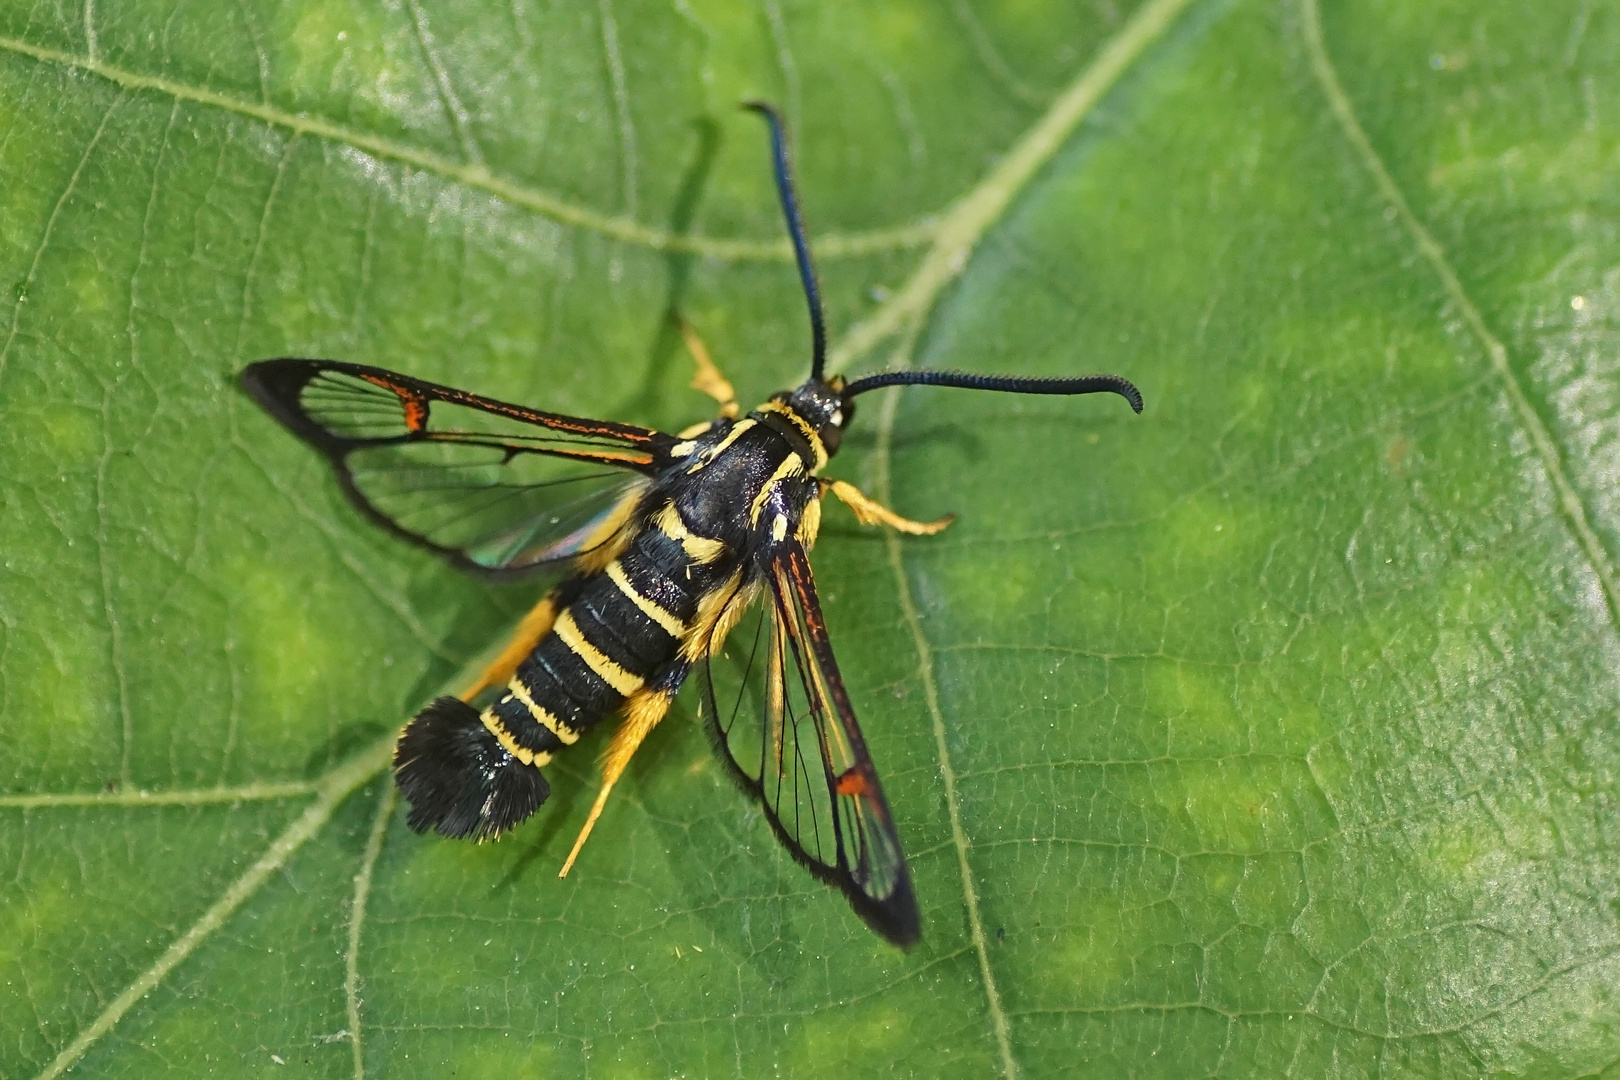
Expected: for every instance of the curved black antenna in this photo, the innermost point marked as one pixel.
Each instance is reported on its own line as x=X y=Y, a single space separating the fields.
x=795 y=225
x=1083 y=384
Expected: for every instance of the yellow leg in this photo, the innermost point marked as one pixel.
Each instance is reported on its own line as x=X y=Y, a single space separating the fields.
x=641 y=715
x=529 y=632
x=708 y=378
x=870 y=512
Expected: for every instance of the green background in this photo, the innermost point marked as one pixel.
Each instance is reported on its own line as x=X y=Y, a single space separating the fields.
x=1274 y=731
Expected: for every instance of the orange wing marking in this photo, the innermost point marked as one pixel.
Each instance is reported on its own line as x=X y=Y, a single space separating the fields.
x=853 y=782
x=416 y=409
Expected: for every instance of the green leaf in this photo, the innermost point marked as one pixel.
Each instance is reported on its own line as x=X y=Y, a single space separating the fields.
x=1270 y=732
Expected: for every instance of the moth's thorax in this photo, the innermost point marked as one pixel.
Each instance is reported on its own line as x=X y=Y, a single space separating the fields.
x=728 y=473
x=752 y=481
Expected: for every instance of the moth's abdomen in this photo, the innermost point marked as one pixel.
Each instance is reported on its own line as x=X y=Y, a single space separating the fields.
x=472 y=774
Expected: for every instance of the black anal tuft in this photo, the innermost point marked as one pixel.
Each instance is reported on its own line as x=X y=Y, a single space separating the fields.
x=458 y=778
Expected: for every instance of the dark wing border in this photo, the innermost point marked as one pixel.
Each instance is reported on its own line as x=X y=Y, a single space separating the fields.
x=277 y=385
x=806 y=650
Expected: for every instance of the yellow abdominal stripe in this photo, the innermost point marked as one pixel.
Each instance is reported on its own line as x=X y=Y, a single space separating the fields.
x=610 y=536
x=509 y=744
x=607 y=670
x=565 y=734
x=666 y=619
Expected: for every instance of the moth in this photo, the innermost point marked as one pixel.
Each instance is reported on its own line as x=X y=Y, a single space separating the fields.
x=681 y=553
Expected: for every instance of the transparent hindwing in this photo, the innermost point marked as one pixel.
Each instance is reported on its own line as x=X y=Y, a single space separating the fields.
x=778 y=711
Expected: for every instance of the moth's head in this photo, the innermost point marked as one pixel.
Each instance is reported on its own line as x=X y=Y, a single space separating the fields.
x=821 y=403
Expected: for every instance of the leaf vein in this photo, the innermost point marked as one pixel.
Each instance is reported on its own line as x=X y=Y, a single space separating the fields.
x=50 y=227
x=335 y=786
x=454 y=110
x=386 y=597
x=925 y=672
x=990 y=58
x=478 y=177
x=621 y=106
x=357 y=917
x=903 y=314
x=50 y=800
x=966 y=222
x=258 y=241
x=92 y=46
x=1570 y=506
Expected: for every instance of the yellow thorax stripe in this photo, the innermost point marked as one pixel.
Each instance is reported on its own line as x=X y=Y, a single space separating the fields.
x=610 y=672
x=811 y=436
x=615 y=572
x=791 y=466
x=731 y=436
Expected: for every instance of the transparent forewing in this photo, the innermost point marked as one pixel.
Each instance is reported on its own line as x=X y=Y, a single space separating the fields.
x=497 y=512
x=779 y=711
x=494 y=487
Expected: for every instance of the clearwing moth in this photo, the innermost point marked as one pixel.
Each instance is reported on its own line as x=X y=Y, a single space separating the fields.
x=671 y=544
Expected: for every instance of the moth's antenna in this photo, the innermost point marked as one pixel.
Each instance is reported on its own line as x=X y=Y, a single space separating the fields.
x=1012 y=384
x=795 y=226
